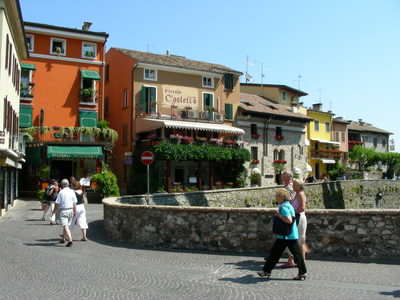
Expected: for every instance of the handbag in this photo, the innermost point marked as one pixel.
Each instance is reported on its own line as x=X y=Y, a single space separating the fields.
x=281 y=228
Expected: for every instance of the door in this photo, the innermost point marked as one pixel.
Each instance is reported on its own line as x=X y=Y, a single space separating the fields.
x=317 y=170
x=61 y=169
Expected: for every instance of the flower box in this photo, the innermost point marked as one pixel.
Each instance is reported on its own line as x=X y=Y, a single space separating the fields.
x=255 y=136
x=187 y=139
x=255 y=161
x=280 y=161
x=279 y=137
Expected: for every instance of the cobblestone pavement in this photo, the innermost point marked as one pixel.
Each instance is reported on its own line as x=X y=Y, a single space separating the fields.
x=34 y=266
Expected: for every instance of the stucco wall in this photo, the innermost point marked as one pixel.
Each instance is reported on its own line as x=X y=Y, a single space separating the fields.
x=352 y=194
x=330 y=233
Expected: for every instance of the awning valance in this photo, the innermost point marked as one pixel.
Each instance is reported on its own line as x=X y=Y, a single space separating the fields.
x=326 y=142
x=28 y=66
x=328 y=161
x=90 y=74
x=143 y=125
x=74 y=152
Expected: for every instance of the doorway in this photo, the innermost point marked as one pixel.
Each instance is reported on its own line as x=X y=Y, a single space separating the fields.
x=60 y=169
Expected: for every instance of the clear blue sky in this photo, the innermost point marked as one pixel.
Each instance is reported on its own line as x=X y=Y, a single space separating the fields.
x=347 y=52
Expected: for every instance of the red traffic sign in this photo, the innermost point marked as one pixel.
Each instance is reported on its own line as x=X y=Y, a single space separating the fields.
x=147 y=158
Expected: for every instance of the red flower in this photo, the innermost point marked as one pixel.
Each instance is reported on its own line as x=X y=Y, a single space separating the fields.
x=279 y=137
x=255 y=135
x=255 y=161
x=280 y=161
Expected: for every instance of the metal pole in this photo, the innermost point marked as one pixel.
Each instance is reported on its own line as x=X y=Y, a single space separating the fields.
x=148 y=182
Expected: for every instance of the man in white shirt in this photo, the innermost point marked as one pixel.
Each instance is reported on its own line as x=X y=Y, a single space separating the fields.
x=66 y=205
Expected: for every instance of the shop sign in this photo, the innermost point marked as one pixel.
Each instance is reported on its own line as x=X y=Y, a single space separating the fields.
x=180 y=97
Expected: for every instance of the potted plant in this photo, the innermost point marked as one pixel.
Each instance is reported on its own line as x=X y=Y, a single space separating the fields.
x=255 y=136
x=279 y=137
x=87 y=92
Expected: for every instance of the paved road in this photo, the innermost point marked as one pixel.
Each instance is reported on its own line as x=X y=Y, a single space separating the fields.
x=34 y=266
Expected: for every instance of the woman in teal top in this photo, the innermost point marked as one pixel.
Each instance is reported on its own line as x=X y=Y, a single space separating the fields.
x=287 y=214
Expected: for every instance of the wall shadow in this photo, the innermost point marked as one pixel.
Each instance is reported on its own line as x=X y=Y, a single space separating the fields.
x=332 y=195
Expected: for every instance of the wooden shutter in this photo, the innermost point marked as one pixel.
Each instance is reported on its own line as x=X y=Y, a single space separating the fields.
x=88 y=119
x=142 y=105
x=153 y=99
x=229 y=111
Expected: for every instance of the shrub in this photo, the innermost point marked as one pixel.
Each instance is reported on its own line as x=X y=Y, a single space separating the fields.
x=106 y=183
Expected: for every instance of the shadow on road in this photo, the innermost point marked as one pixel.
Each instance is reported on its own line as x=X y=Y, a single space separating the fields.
x=395 y=294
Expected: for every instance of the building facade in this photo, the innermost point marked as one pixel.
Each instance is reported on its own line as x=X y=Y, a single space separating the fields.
x=12 y=52
x=369 y=136
x=340 y=135
x=324 y=152
x=275 y=135
x=175 y=102
x=61 y=102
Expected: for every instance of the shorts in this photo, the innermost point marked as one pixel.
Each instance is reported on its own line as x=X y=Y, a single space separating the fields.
x=65 y=217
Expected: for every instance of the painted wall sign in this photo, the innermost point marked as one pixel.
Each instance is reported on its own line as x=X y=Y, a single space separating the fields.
x=180 y=96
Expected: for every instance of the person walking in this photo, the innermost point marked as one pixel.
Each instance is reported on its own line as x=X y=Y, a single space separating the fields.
x=286 y=214
x=66 y=207
x=80 y=216
x=51 y=194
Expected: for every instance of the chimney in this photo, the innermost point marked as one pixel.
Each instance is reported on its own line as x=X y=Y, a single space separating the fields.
x=167 y=52
x=86 y=26
x=361 y=122
x=317 y=106
x=339 y=118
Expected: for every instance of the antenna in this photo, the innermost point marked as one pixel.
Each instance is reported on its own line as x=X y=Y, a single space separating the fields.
x=298 y=81
x=147 y=47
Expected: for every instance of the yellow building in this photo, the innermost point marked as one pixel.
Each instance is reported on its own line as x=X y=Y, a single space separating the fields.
x=323 y=151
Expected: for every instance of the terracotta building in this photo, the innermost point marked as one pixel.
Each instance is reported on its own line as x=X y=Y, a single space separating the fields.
x=61 y=99
x=12 y=52
x=154 y=99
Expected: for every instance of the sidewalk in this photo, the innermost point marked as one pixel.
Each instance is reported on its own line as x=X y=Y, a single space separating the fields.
x=34 y=266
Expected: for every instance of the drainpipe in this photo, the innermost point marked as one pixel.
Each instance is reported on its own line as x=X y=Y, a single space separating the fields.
x=132 y=107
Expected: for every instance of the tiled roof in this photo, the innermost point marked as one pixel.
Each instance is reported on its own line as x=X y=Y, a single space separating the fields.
x=341 y=120
x=53 y=27
x=261 y=105
x=357 y=126
x=281 y=86
x=176 y=61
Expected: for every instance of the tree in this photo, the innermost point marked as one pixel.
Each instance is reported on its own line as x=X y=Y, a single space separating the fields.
x=364 y=157
x=392 y=162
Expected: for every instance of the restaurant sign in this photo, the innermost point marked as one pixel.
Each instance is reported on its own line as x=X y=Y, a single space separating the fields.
x=180 y=97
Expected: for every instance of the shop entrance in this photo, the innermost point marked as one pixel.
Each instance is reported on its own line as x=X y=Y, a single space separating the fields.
x=60 y=169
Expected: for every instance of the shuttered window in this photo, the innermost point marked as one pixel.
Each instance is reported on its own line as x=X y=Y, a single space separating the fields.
x=88 y=119
x=228 y=111
x=208 y=101
x=148 y=99
x=228 y=81
x=25 y=117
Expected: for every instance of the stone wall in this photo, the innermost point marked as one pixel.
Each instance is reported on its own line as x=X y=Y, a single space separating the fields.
x=330 y=233
x=336 y=194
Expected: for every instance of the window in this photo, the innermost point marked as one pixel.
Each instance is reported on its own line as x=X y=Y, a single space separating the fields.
x=253 y=129
x=316 y=125
x=89 y=50
x=88 y=91
x=9 y=59
x=58 y=46
x=26 y=87
x=125 y=98
x=327 y=126
x=337 y=136
x=228 y=111
x=106 y=106
x=375 y=142
x=30 y=42
x=148 y=99
x=208 y=101
x=150 y=74
x=343 y=136
x=254 y=153
x=284 y=95
x=208 y=82
x=282 y=155
x=384 y=142
x=300 y=148
x=125 y=135
x=278 y=131
x=7 y=46
x=228 y=81
x=276 y=154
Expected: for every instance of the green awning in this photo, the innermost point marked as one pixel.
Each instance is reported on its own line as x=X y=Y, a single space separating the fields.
x=74 y=152
x=90 y=74
x=28 y=66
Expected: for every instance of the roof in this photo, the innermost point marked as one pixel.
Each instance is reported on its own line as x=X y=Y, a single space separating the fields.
x=74 y=30
x=357 y=126
x=281 y=86
x=176 y=61
x=341 y=120
x=261 y=105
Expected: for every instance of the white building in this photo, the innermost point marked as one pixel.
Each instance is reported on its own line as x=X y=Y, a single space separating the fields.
x=12 y=52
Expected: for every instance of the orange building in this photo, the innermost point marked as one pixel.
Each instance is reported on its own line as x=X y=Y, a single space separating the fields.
x=61 y=101
x=169 y=100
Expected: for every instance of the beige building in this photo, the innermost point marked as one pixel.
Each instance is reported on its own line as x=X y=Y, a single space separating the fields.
x=275 y=135
x=154 y=99
x=340 y=134
x=367 y=135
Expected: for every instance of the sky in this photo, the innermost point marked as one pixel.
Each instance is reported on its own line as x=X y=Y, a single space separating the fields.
x=345 y=54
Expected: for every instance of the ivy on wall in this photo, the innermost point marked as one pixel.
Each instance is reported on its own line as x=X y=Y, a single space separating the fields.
x=169 y=151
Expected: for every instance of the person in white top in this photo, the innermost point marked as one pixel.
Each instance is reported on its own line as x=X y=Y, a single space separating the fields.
x=80 y=216
x=66 y=206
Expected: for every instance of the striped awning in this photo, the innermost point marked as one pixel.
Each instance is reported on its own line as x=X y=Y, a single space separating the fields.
x=74 y=152
x=143 y=125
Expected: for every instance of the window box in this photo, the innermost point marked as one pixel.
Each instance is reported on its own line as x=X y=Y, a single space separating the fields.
x=280 y=161
x=255 y=161
x=279 y=137
x=255 y=136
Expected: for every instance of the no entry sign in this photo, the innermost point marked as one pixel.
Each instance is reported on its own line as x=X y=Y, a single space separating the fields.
x=147 y=157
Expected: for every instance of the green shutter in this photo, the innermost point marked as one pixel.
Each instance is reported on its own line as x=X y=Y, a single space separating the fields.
x=229 y=111
x=88 y=119
x=143 y=99
x=152 y=99
x=25 y=117
x=208 y=100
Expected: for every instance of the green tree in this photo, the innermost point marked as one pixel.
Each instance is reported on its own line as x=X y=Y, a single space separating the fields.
x=363 y=157
x=392 y=161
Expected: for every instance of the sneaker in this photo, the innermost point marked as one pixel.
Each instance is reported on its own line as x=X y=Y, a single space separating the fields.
x=69 y=244
x=264 y=274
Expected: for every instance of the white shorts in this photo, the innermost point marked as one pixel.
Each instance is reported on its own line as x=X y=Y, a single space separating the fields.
x=302 y=227
x=65 y=217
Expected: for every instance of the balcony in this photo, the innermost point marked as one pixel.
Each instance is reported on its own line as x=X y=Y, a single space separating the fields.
x=189 y=115
x=333 y=154
x=26 y=92
x=353 y=143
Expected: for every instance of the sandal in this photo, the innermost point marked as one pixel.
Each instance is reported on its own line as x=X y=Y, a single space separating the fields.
x=264 y=274
x=300 y=277
x=289 y=265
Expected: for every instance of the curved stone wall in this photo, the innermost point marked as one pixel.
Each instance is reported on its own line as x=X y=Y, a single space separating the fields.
x=331 y=233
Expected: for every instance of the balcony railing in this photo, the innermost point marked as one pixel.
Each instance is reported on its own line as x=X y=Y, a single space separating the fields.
x=327 y=153
x=206 y=116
